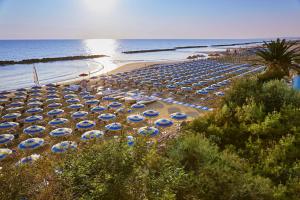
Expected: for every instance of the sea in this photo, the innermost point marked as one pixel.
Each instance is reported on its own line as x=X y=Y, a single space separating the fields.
x=21 y=75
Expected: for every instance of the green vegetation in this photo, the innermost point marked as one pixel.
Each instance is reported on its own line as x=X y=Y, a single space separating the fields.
x=249 y=148
x=279 y=57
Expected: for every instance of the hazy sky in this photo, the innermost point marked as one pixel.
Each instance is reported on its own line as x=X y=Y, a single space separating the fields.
x=25 y=19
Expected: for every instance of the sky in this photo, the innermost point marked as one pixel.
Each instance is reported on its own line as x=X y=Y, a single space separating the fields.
x=126 y=19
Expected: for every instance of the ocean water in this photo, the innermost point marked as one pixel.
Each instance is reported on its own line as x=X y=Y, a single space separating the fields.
x=16 y=76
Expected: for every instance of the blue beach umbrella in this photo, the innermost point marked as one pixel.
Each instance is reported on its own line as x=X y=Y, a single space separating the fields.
x=16 y=104
x=29 y=159
x=36 y=94
x=34 y=110
x=86 y=124
x=138 y=106
x=72 y=101
x=13 y=108
x=89 y=135
x=79 y=114
x=31 y=130
x=58 y=121
x=33 y=118
x=21 y=90
x=4 y=92
x=108 y=98
x=178 y=116
x=163 y=123
x=52 y=96
x=84 y=93
x=54 y=105
x=7 y=125
x=151 y=113
x=3 y=97
x=64 y=146
x=35 y=104
x=187 y=89
x=172 y=87
x=53 y=100
x=11 y=116
x=4 y=152
x=115 y=105
x=130 y=140
x=98 y=109
x=202 y=92
x=60 y=132
x=6 y=138
x=32 y=143
x=88 y=97
x=55 y=112
x=76 y=106
x=148 y=131
x=36 y=87
x=135 y=118
x=70 y=96
x=106 y=116
x=114 y=127
x=51 y=85
x=34 y=99
x=92 y=102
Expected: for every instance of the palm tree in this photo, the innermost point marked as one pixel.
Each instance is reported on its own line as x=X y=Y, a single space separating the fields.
x=279 y=57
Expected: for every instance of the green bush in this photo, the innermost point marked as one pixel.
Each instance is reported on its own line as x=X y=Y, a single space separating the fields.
x=260 y=122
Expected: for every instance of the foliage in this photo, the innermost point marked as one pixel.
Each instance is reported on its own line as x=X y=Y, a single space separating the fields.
x=279 y=57
x=261 y=123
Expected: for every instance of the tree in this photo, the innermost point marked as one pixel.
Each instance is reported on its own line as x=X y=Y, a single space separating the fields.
x=280 y=57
